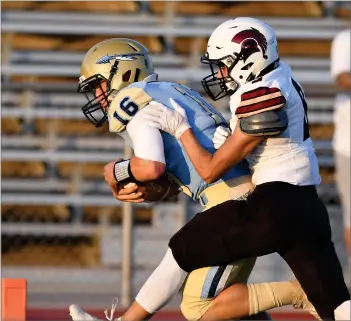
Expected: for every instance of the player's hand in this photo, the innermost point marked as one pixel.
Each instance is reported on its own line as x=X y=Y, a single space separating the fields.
x=128 y=194
x=109 y=173
x=174 y=122
x=220 y=136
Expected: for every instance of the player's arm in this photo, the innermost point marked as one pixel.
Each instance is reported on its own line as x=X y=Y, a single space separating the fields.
x=126 y=116
x=260 y=114
x=212 y=167
x=148 y=162
x=209 y=167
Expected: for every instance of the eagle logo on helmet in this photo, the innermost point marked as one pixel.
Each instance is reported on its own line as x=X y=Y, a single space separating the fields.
x=251 y=41
x=107 y=58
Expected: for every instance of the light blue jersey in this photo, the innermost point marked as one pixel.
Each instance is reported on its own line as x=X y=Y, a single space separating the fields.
x=204 y=120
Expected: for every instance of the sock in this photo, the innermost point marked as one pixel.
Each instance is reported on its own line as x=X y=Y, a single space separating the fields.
x=342 y=312
x=162 y=284
x=265 y=296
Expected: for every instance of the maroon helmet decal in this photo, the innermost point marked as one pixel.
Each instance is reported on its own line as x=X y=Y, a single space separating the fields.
x=251 y=40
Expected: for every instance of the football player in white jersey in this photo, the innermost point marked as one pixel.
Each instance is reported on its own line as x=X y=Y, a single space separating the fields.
x=119 y=80
x=269 y=129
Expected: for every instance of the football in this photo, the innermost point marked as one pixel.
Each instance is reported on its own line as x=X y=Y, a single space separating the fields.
x=157 y=189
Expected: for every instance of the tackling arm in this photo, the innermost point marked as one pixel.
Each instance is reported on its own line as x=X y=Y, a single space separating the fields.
x=212 y=167
x=260 y=114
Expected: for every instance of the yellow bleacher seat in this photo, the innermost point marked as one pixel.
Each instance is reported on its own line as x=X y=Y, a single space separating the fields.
x=61 y=213
x=304 y=48
x=89 y=170
x=11 y=126
x=140 y=215
x=81 y=6
x=241 y=8
x=322 y=131
x=89 y=6
x=327 y=174
x=187 y=7
x=291 y=47
x=273 y=9
x=18 y=41
x=17 y=5
x=83 y=44
x=69 y=127
x=35 y=213
x=343 y=13
x=36 y=253
x=23 y=169
x=44 y=79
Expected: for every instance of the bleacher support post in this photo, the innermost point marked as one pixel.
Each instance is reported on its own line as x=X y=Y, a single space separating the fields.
x=127 y=246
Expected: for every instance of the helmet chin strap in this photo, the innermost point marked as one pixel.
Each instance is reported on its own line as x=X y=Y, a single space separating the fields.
x=113 y=70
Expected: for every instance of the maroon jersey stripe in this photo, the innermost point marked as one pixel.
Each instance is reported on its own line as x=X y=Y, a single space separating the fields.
x=261 y=91
x=261 y=105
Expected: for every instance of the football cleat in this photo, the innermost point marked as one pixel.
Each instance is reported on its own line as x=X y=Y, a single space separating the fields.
x=78 y=314
x=300 y=300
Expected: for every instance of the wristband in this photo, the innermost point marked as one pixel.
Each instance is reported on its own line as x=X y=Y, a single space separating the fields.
x=122 y=171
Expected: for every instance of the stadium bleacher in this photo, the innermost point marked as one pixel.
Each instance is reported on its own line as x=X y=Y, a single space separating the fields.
x=55 y=205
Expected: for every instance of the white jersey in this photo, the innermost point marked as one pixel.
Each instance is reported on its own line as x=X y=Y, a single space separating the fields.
x=290 y=156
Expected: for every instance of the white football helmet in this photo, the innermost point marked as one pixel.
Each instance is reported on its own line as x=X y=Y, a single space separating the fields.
x=247 y=46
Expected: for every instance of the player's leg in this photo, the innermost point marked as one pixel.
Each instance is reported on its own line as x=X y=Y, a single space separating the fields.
x=318 y=269
x=273 y=217
x=166 y=280
x=202 y=286
x=168 y=277
x=208 y=241
x=313 y=258
x=221 y=293
x=240 y=300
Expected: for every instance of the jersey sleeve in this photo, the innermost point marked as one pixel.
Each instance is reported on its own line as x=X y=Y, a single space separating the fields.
x=259 y=100
x=124 y=106
x=147 y=141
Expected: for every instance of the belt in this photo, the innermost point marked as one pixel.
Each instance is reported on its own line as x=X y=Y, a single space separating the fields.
x=225 y=191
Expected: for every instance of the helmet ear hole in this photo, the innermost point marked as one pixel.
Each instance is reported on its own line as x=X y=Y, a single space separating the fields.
x=126 y=75
x=137 y=74
x=248 y=66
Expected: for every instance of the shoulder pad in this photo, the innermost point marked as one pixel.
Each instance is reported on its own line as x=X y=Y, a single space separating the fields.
x=259 y=100
x=269 y=123
x=124 y=107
